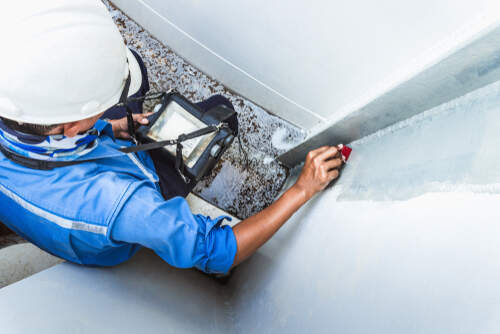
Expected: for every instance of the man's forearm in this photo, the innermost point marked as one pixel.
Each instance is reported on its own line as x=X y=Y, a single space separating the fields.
x=320 y=168
x=253 y=232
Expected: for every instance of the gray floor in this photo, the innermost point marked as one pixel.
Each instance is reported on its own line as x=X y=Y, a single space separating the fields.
x=139 y=296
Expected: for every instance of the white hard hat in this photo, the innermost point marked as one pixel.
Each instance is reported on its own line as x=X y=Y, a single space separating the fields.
x=61 y=61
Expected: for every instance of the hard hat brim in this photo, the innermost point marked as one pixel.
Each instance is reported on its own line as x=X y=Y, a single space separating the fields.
x=10 y=110
x=135 y=73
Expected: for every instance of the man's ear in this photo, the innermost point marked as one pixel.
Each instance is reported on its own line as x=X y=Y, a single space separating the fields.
x=71 y=129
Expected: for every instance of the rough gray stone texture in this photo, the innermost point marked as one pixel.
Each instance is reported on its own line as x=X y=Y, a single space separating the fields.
x=21 y=260
x=232 y=186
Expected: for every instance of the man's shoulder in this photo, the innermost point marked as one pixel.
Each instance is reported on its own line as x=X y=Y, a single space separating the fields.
x=88 y=192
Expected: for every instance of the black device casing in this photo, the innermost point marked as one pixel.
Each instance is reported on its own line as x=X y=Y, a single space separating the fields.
x=219 y=144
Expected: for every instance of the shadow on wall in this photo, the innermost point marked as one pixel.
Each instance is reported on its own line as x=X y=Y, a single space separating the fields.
x=455 y=146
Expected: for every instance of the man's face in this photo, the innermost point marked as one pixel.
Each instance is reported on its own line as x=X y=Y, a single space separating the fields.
x=73 y=128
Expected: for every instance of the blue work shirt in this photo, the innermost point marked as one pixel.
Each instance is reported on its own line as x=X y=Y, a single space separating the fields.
x=101 y=212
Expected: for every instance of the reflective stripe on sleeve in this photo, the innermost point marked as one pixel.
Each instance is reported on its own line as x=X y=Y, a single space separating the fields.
x=62 y=222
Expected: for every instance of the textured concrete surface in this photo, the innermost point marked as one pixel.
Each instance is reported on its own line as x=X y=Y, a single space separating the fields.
x=239 y=189
x=453 y=147
x=21 y=260
x=144 y=295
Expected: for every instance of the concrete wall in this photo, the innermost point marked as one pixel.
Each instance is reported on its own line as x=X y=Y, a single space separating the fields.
x=406 y=242
x=473 y=66
x=314 y=62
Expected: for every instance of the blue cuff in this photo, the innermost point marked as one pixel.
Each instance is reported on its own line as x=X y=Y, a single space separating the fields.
x=104 y=128
x=220 y=245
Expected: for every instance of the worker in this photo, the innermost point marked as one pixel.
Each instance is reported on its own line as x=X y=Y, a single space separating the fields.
x=62 y=78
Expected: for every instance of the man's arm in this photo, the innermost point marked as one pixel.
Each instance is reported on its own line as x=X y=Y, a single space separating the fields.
x=320 y=168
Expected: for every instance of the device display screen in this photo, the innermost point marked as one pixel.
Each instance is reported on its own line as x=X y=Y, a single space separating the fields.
x=174 y=121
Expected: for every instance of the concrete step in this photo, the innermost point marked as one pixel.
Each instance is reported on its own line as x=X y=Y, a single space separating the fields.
x=21 y=260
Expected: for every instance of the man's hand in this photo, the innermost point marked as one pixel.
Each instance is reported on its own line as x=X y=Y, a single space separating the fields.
x=120 y=126
x=320 y=168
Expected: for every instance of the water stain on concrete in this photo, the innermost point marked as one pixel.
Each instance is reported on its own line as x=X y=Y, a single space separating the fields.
x=453 y=147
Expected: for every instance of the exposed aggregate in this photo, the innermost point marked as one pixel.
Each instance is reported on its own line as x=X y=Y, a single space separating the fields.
x=234 y=186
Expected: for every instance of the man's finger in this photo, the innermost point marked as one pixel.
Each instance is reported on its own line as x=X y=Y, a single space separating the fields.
x=135 y=116
x=141 y=118
x=332 y=164
x=333 y=174
x=327 y=154
x=312 y=154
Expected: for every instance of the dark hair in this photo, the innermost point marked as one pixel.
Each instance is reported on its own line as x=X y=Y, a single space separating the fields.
x=32 y=129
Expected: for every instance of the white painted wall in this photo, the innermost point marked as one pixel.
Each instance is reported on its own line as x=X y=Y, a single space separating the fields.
x=312 y=61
